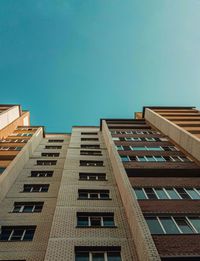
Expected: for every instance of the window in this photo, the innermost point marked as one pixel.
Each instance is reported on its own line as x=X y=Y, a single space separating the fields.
x=177 y=158
x=44 y=154
x=36 y=187
x=10 y=148
x=92 y=176
x=46 y=162
x=89 y=163
x=27 y=207
x=86 y=253
x=91 y=152
x=150 y=158
x=132 y=139
x=89 y=133
x=90 y=146
x=159 y=148
x=25 y=134
x=174 y=225
x=93 y=194
x=95 y=219
x=115 y=138
x=55 y=141
x=119 y=147
x=150 y=139
x=17 y=233
x=53 y=147
x=124 y=158
x=138 y=148
x=129 y=132
x=2 y=170
x=170 y=148
x=167 y=193
x=41 y=173
x=89 y=139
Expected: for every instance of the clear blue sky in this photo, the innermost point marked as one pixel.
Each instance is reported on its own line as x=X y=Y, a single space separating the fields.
x=71 y=62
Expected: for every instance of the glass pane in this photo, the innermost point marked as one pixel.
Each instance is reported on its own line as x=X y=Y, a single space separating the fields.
x=38 y=208
x=138 y=148
x=29 y=234
x=82 y=257
x=98 y=257
x=169 y=225
x=154 y=225
x=17 y=234
x=82 y=221
x=155 y=148
x=108 y=221
x=104 y=195
x=159 y=158
x=114 y=256
x=119 y=147
x=124 y=158
x=83 y=195
x=183 y=225
x=5 y=234
x=172 y=193
x=183 y=193
x=195 y=222
x=161 y=193
x=141 y=159
x=139 y=193
x=101 y=177
x=16 y=208
x=95 y=221
x=149 y=158
x=150 y=193
x=193 y=194
x=94 y=195
x=92 y=177
x=28 y=209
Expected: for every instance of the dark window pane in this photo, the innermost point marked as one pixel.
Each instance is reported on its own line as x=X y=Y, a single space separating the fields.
x=83 y=221
x=5 y=234
x=29 y=234
x=183 y=225
x=98 y=257
x=95 y=221
x=108 y=221
x=94 y=195
x=28 y=209
x=17 y=234
x=114 y=256
x=182 y=193
x=150 y=193
x=16 y=208
x=104 y=195
x=82 y=257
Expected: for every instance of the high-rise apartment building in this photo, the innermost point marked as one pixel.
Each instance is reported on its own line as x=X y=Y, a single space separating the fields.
x=128 y=189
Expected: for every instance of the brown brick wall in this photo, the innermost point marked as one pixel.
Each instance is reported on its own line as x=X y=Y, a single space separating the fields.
x=170 y=206
x=177 y=245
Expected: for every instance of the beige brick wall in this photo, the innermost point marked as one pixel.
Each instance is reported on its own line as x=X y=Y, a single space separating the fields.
x=33 y=250
x=64 y=233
